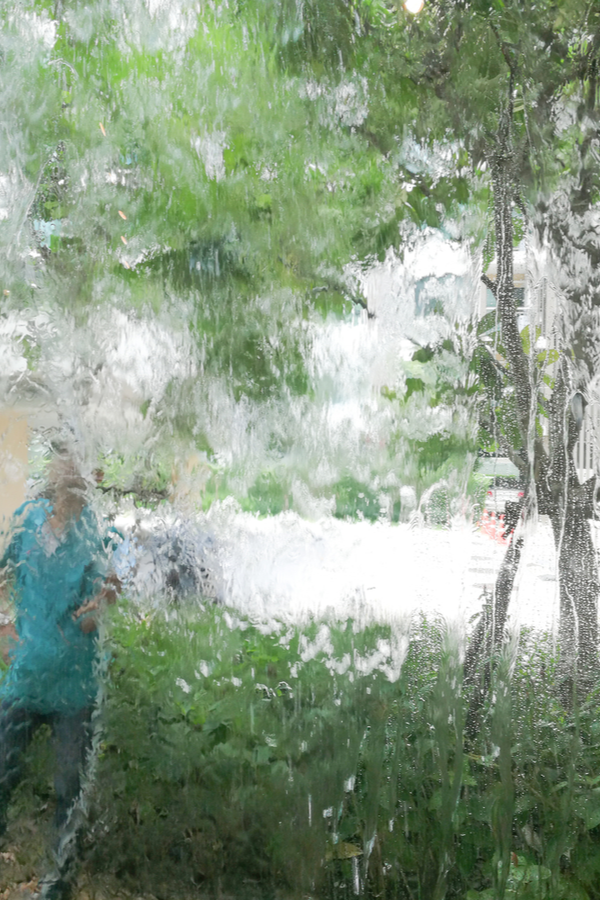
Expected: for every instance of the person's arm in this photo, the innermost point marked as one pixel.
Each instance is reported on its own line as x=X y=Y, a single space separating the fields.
x=100 y=585
x=23 y=520
x=8 y=635
x=87 y=613
x=8 y=632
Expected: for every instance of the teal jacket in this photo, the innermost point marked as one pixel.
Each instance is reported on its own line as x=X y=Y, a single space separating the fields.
x=53 y=663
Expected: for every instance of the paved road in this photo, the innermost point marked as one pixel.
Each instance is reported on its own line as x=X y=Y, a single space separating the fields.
x=288 y=567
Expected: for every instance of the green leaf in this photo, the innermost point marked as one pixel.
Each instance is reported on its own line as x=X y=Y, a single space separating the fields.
x=343 y=850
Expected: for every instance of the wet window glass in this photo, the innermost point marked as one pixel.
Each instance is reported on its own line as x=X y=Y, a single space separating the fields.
x=299 y=449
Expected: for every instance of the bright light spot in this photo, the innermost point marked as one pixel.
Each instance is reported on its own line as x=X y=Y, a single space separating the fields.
x=414 y=6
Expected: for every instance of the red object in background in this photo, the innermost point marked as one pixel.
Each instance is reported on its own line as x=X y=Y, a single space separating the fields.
x=492 y=524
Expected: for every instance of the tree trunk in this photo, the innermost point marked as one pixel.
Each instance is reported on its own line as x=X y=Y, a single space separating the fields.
x=490 y=630
x=570 y=507
x=489 y=635
x=579 y=589
x=552 y=478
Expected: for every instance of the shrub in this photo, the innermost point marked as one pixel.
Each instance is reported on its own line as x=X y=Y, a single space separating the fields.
x=330 y=760
x=355 y=500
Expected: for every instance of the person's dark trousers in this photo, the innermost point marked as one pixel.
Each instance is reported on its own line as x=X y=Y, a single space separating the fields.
x=72 y=739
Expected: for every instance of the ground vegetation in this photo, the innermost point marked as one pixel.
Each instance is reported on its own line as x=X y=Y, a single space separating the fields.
x=329 y=761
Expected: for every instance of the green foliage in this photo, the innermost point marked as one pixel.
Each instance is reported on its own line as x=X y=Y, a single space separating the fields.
x=303 y=758
x=271 y=493
x=511 y=76
x=145 y=477
x=437 y=411
x=216 y=161
x=439 y=450
x=268 y=495
x=355 y=500
x=219 y=735
x=299 y=759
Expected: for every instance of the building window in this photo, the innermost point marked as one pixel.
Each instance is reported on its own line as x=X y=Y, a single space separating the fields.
x=490 y=300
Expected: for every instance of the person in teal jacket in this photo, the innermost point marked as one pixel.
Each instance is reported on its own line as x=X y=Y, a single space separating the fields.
x=57 y=560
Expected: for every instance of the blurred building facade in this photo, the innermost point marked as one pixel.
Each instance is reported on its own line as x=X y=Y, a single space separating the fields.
x=14 y=450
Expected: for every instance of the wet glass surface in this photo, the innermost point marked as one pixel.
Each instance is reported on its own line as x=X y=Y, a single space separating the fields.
x=299 y=422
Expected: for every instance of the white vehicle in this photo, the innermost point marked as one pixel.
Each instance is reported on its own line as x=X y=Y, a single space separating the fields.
x=506 y=485
x=497 y=498
x=159 y=557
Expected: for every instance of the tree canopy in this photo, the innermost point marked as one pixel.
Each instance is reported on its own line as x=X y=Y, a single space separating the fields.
x=515 y=87
x=225 y=169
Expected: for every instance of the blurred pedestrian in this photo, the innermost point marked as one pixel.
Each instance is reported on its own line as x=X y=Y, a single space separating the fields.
x=56 y=562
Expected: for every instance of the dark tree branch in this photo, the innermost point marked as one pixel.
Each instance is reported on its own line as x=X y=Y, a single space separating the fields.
x=489 y=284
x=144 y=495
x=500 y=369
x=360 y=301
x=521 y=205
x=336 y=286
